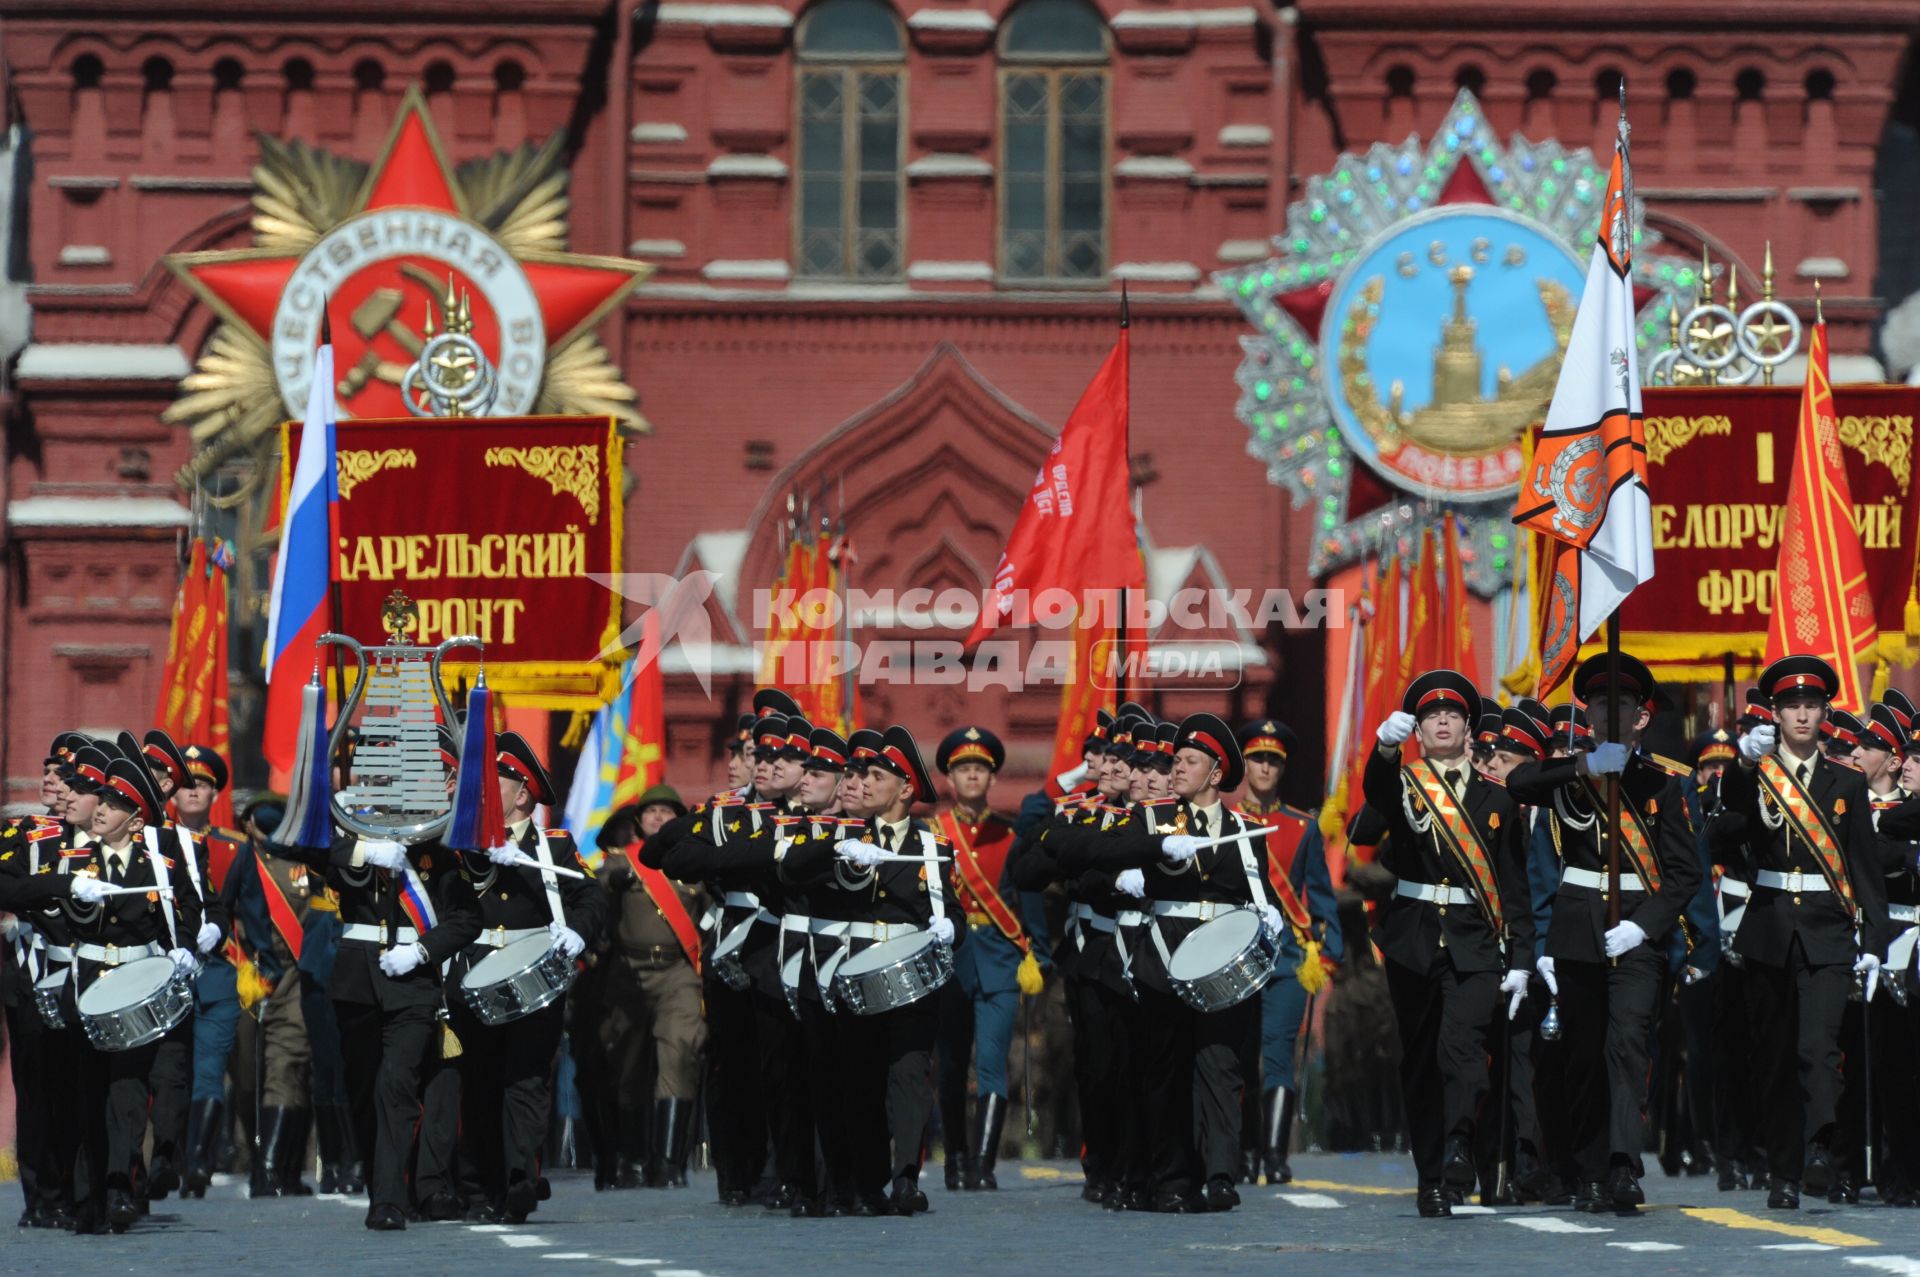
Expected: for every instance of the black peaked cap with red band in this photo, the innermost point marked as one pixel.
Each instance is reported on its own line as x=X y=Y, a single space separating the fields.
x=86 y=771
x=900 y=755
x=1636 y=680
x=1884 y=729
x=771 y=700
x=827 y=751
x=770 y=734
x=1903 y=708
x=1792 y=674
x=863 y=743
x=742 y=733
x=517 y=759
x=159 y=749
x=1841 y=731
x=1442 y=688
x=1758 y=711
x=1521 y=733
x=129 y=781
x=1209 y=734
x=1560 y=716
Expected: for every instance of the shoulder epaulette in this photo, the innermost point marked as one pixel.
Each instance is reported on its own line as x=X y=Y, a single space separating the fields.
x=43 y=832
x=760 y=806
x=560 y=833
x=1159 y=802
x=68 y=853
x=943 y=840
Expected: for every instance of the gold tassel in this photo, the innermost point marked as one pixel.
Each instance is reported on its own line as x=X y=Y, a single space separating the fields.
x=577 y=728
x=1029 y=977
x=1333 y=816
x=251 y=986
x=1912 y=617
x=1881 y=677
x=450 y=1047
x=1311 y=973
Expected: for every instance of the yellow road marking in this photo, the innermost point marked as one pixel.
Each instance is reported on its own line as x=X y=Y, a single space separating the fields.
x=1042 y=1172
x=1371 y=1190
x=1729 y=1218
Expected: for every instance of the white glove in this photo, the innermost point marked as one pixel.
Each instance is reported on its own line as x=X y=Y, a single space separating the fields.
x=397 y=962
x=1132 y=882
x=1545 y=968
x=1397 y=728
x=87 y=888
x=1758 y=742
x=859 y=851
x=184 y=962
x=208 y=937
x=1868 y=965
x=1514 y=984
x=1179 y=846
x=505 y=854
x=1274 y=920
x=1609 y=758
x=382 y=854
x=565 y=938
x=941 y=929
x=1624 y=938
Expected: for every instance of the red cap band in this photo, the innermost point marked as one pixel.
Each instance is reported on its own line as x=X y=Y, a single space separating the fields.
x=127 y=790
x=1208 y=743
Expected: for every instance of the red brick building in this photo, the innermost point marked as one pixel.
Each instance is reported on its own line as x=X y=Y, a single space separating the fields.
x=889 y=241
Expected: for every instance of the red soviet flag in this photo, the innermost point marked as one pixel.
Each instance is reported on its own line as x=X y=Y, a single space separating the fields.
x=1076 y=532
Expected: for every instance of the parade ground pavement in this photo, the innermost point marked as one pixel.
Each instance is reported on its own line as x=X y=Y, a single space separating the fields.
x=1342 y=1214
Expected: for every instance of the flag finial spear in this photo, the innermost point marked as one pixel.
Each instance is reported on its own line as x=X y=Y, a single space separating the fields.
x=326 y=324
x=1819 y=317
x=1126 y=312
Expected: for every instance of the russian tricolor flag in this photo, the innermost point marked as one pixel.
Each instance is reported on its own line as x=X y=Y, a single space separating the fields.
x=297 y=613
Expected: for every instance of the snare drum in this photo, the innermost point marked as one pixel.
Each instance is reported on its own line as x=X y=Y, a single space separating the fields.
x=893 y=974
x=1223 y=962
x=134 y=1004
x=46 y=996
x=517 y=979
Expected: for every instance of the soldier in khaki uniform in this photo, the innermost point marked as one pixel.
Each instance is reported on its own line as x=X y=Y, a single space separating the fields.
x=652 y=1021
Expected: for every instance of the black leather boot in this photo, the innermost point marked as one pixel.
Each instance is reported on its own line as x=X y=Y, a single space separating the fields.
x=989 y=1117
x=266 y=1164
x=1278 y=1134
x=327 y=1133
x=353 y=1165
x=293 y=1153
x=204 y=1118
x=958 y=1164
x=677 y=1117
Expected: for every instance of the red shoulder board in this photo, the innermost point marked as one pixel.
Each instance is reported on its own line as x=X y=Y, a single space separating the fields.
x=43 y=832
x=68 y=853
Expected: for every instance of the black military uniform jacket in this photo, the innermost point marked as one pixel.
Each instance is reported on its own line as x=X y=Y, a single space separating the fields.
x=1414 y=933
x=132 y=921
x=1577 y=930
x=1901 y=857
x=729 y=846
x=1819 y=919
x=894 y=893
x=212 y=908
x=514 y=897
x=370 y=895
x=1093 y=949
x=1215 y=875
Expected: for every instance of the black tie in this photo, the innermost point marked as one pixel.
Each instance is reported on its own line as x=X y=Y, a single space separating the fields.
x=1198 y=824
x=1806 y=774
x=886 y=837
x=1453 y=780
x=114 y=869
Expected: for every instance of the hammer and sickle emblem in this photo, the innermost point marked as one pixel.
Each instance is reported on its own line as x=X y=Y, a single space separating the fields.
x=379 y=315
x=1574 y=496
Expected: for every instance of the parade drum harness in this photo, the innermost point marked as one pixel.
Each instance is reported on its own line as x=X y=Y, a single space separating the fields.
x=134 y=1004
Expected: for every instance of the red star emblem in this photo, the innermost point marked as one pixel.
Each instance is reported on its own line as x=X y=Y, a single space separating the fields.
x=383 y=273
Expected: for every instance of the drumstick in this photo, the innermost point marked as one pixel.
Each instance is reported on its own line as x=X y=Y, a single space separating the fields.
x=1249 y=832
x=896 y=856
x=108 y=889
x=531 y=863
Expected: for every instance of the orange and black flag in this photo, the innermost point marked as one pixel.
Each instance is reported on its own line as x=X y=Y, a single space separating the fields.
x=1586 y=487
x=1822 y=604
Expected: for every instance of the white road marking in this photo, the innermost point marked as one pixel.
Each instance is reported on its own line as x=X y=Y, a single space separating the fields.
x=680 y=1272
x=633 y=1263
x=1548 y=1224
x=521 y=1241
x=489 y=1228
x=568 y=1254
x=1799 y=1246
x=1311 y=1201
x=1474 y=1210
x=1645 y=1246
x=1899 y=1265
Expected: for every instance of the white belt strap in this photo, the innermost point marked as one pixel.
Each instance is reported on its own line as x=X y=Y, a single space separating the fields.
x=1903 y=913
x=549 y=879
x=115 y=955
x=1594 y=880
x=882 y=931
x=168 y=905
x=375 y=933
x=1795 y=883
x=1201 y=910
x=1900 y=952
x=1732 y=903
x=1431 y=894
x=936 y=882
x=501 y=937
x=741 y=900
x=59 y=953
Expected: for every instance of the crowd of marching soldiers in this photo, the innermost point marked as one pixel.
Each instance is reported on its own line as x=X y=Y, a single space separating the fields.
x=828 y=969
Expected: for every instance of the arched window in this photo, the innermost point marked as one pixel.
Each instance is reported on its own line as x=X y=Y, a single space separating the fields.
x=851 y=75
x=1053 y=142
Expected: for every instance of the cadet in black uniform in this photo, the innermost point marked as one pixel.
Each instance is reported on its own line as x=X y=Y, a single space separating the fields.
x=120 y=929
x=404 y=912
x=1458 y=931
x=1817 y=917
x=506 y=1070
x=1614 y=975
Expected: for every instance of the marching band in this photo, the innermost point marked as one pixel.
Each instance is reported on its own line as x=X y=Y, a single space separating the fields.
x=811 y=965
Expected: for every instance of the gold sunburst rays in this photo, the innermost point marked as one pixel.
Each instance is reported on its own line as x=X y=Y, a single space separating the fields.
x=582 y=381
x=300 y=193
x=520 y=196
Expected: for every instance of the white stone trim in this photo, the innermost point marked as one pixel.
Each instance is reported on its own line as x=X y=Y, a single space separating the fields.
x=951 y=20
x=763 y=268
x=1822 y=268
x=949 y=164
x=1236 y=177
x=1158 y=20
x=663 y=131
x=1245 y=250
x=1158 y=168
x=1158 y=272
x=656 y=248
x=951 y=272
x=717 y=15
x=82 y=182
x=161 y=182
x=96 y=512
x=101 y=361
x=1246 y=135
x=1824 y=194
x=85 y=255
x=755 y=166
